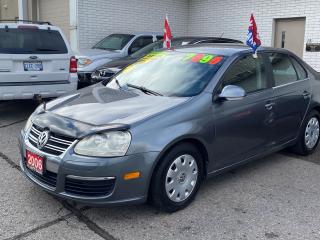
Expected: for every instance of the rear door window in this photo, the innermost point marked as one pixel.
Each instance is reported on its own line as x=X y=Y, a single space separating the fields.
x=31 y=41
x=282 y=69
x=248 y=73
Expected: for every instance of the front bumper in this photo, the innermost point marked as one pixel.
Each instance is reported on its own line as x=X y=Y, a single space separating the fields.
x=46 y=90
x=61 y=168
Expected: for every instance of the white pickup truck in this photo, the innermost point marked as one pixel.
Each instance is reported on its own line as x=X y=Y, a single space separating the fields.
x=35 y=60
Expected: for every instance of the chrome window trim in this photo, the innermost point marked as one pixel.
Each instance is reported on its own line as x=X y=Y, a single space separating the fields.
x=290 y=83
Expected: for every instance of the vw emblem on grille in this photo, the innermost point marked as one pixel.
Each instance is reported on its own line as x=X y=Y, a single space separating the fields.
x=43 y=139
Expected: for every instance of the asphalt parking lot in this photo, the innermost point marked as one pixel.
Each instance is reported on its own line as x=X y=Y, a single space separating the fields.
x=274 y=198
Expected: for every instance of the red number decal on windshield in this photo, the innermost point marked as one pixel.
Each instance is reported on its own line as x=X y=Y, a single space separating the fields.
x=216 y=60
x=197 y=58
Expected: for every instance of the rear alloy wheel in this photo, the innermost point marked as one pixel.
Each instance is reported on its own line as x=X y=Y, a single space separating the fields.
x=309 y=136
x=177 y=179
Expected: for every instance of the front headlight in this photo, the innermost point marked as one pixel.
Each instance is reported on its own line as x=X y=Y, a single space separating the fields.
x=38 y=110
x=82 y=62
x=109 y=144
x=28 y=123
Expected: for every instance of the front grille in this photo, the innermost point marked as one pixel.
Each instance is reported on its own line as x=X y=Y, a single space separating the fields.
x=106 y=74
x=89 y=188
x=56 y=145
x=48 y=178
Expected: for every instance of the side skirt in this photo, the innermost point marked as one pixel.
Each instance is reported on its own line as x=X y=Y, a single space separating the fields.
x=250 y=159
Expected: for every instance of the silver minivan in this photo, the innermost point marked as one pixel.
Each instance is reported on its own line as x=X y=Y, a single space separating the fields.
x=35 y=59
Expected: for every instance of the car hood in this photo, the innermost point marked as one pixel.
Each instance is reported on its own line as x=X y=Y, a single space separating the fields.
x=121 y=63
x=97 y=108
x=96 y=53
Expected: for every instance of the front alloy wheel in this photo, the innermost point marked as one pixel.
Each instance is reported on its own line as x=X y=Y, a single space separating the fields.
x=177 y=179
x=181 y=178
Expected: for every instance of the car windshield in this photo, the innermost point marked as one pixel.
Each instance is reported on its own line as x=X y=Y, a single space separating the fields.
x=114 y=42
x=147 y=49
x=31 y=41
x=170 y=73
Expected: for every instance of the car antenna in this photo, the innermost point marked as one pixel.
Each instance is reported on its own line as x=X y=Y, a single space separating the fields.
x=221 y=35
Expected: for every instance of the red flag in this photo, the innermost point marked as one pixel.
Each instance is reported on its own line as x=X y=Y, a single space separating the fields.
x=255 y=34
x=167 y=34
x=253 y=39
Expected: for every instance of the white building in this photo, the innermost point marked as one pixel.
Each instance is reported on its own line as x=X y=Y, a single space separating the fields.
x=288 y=23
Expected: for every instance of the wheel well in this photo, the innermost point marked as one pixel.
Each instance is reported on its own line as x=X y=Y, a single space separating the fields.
x=198 y=144
x=203 y=151
x=317 y=108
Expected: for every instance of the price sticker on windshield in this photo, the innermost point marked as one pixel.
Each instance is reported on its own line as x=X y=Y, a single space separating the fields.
x=190 y=57
x=202 y=58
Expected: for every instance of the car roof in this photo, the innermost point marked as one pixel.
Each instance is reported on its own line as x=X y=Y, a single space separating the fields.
x=226 y=49
x=147 y=33
x=39 y=26
x=201 y=38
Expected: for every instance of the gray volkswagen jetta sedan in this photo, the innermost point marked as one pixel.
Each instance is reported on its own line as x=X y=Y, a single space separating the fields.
x=170 y=120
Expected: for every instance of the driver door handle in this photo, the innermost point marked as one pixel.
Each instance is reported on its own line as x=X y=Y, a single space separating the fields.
x=269 y=106
x=305 y=94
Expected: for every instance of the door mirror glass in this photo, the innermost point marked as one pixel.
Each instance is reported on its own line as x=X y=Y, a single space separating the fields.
x=232 y=92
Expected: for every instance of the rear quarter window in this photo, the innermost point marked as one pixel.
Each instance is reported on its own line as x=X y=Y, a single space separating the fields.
x=31 y=41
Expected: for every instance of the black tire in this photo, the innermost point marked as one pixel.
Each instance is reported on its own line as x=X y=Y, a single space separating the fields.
x=301 y=148
x=158 y=192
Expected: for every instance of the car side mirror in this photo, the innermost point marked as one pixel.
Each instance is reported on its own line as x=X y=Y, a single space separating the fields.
x=232 y=92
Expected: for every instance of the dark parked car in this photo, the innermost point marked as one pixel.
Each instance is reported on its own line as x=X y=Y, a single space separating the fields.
x=106 y=71
x=169 y=121
x=112 y=47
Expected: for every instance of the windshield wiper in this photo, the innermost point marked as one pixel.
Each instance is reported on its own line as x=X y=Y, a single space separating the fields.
x=143 y=89
x=117 y=82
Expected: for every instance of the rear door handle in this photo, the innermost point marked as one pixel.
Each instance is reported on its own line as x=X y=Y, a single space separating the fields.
x=269 y=106
x=306 y=94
